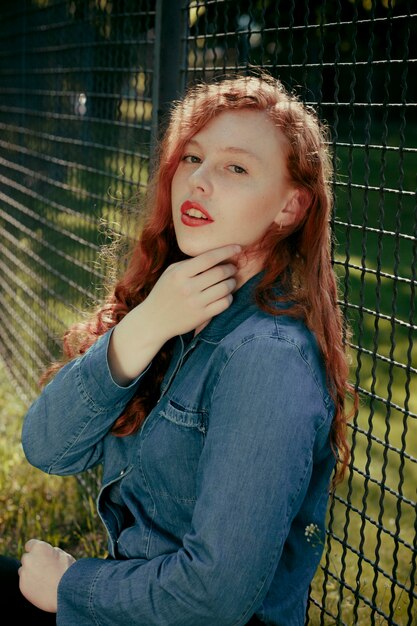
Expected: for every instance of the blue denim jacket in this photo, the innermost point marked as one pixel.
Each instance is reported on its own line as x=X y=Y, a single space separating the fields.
x=206 y=506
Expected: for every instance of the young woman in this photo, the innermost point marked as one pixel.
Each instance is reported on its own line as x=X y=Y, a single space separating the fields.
x=210 y=384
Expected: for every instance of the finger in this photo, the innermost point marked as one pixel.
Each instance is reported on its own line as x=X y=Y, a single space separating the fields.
x=208 y=259
x=215 y=275
x=31 y=543
x=219 y=291
x=217 y=307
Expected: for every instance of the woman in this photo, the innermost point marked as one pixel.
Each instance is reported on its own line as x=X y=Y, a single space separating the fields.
x=211 y=383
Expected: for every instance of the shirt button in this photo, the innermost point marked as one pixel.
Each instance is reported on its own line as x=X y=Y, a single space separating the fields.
x=122 y=472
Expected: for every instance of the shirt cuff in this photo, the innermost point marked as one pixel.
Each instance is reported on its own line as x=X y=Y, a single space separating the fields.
x=97 y=379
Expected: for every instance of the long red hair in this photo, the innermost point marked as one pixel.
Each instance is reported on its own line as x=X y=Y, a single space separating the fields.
x=300 y=257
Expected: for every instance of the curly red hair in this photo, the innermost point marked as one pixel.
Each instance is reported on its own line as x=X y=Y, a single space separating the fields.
x=300 y=256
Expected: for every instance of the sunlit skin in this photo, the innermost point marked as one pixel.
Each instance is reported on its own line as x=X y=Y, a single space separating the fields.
x=42 y=568
x=235 y=170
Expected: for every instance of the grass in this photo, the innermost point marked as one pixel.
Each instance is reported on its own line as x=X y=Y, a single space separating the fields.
x=33 y=504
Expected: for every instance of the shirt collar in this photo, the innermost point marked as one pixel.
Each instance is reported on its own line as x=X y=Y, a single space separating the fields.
x=242 y=307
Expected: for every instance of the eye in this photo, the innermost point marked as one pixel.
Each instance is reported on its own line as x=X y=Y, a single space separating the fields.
x=191 y=158
x=237 y=169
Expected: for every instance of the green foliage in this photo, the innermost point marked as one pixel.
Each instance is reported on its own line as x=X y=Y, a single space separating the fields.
x=33 y=504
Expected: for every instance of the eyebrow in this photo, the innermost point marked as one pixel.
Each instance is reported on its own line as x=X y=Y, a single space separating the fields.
x=231 y=149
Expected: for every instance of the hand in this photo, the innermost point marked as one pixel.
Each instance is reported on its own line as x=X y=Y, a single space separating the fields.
x=190 y=293
x=42 y=568
x=185 y=297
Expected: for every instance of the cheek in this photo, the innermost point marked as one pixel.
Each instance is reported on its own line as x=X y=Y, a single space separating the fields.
x=270 y=203
x=259 y=208
x=174 y=185
x=177 y=181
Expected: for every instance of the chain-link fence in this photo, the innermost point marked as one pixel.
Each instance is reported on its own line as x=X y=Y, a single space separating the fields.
x=84 y=85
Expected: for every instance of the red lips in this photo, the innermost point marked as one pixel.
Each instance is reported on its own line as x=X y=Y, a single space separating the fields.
x=190 y=220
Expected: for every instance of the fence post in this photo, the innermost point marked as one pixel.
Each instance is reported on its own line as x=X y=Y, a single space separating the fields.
x=169 y=61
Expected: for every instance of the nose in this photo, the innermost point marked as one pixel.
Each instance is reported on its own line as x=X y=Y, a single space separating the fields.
x=201 y=180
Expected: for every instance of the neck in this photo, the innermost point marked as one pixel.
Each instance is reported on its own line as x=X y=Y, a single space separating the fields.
x=246 y=268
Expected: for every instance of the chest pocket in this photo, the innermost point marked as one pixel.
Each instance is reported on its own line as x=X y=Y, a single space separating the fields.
x=171 y=449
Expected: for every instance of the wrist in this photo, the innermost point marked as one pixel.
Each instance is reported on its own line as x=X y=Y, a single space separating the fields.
x=133 y=345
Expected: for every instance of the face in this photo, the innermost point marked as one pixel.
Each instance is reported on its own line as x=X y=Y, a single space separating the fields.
x=231 y=184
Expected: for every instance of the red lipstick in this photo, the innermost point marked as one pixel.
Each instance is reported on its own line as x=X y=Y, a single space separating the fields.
x=202 y=219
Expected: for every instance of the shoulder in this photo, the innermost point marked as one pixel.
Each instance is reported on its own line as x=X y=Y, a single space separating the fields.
x=273 y=343
x=261 y=329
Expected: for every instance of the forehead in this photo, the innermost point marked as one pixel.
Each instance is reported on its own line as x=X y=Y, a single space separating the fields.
x=245 y=129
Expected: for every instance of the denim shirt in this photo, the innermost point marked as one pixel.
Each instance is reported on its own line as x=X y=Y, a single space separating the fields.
x=206 y=506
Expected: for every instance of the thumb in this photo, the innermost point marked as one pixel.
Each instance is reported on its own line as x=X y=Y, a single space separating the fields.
x=29 y=545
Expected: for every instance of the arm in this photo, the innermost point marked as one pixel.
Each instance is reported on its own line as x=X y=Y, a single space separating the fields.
x=64 y=428
x=254 y=470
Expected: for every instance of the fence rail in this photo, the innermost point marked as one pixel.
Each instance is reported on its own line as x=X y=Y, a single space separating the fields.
x=85 y=86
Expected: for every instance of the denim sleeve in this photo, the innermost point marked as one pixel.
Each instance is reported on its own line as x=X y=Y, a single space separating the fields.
x=266 y=411
x=64 y=427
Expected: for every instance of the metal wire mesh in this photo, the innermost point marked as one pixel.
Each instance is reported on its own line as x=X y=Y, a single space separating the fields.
x=76 y=112
x=83 y=88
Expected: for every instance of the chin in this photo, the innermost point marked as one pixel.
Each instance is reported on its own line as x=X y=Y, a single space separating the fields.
x=193 y=251
x=193 y=248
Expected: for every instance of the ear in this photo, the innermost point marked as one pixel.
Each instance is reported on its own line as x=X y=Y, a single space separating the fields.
x=294 y=208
